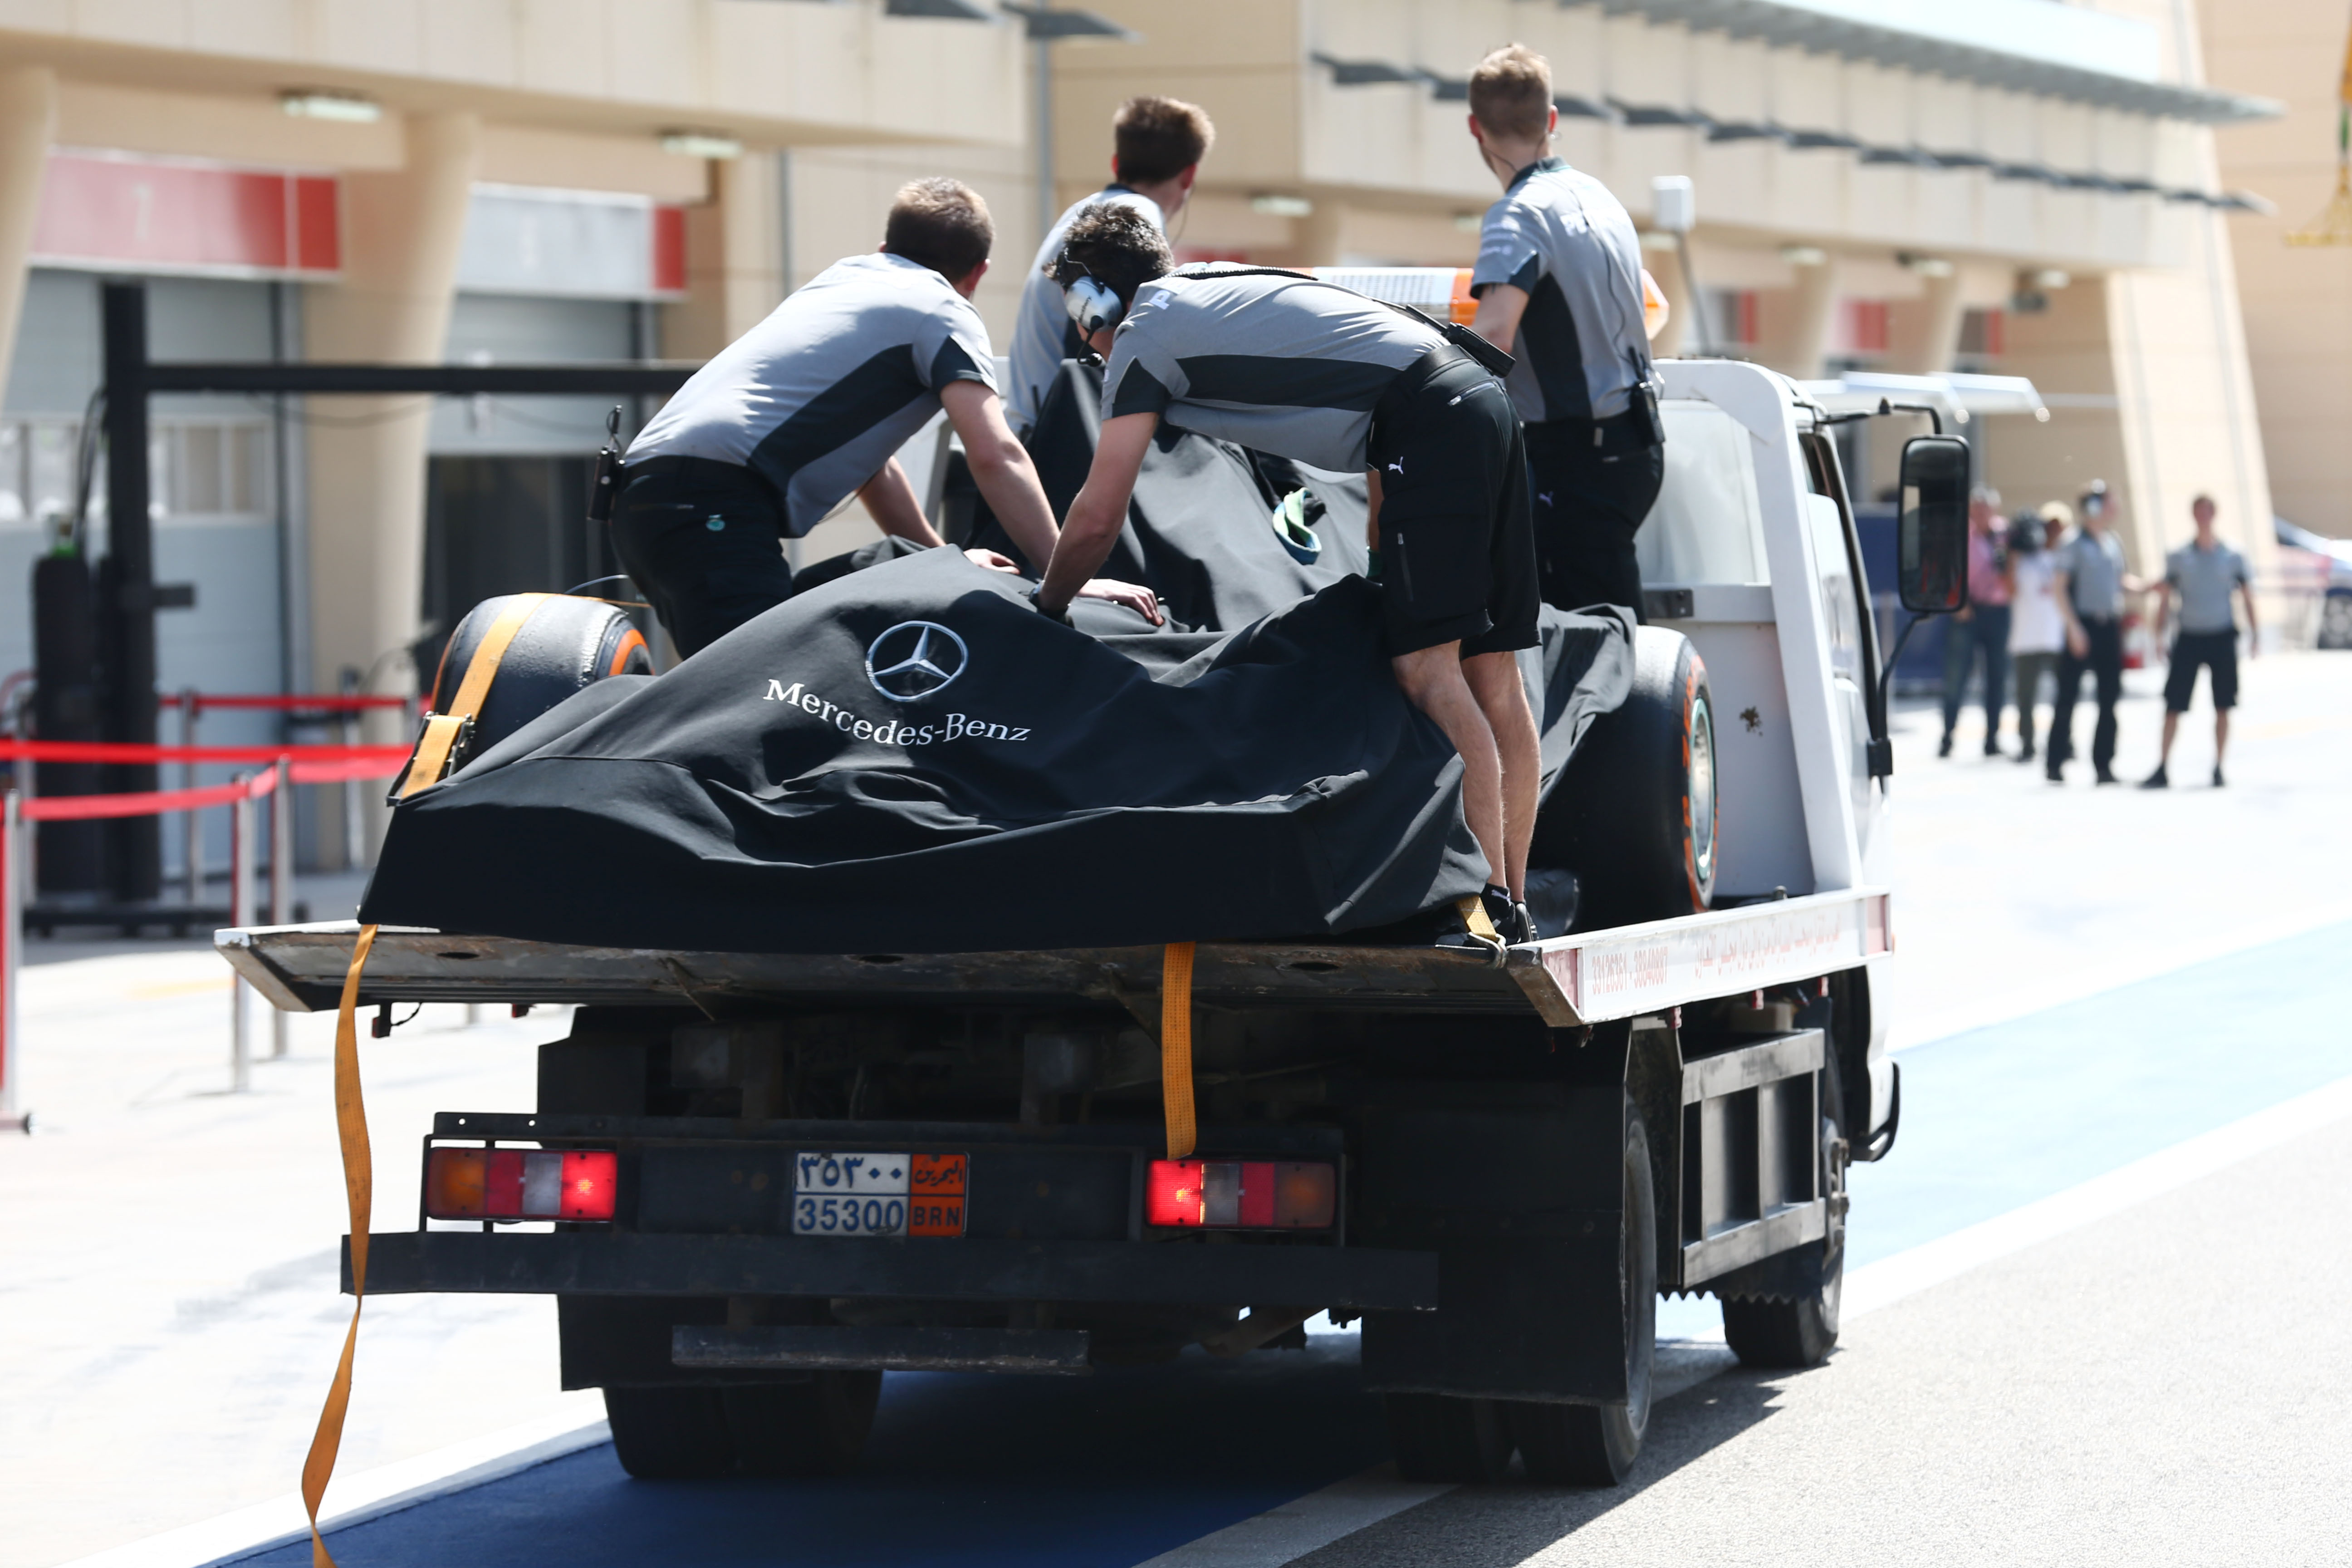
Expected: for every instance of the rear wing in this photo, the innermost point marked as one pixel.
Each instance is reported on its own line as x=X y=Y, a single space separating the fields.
x=1587 y=978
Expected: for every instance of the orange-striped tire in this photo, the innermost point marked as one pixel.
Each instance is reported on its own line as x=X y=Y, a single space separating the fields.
x=568 y=645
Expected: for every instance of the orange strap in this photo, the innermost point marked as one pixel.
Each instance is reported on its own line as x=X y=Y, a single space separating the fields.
x=359 y=1186
x=1176 y=1048
x=442 y=730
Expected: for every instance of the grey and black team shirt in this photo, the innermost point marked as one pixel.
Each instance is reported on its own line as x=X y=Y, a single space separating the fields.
x=815 y=398
x=2204 y=579
x=1559 y=235
x=2093 y=564
x=1287 y=365
x=1040 y=331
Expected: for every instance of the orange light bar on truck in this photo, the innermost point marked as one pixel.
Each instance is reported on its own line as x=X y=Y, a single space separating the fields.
x=1242 y=1194
x=521 y=1183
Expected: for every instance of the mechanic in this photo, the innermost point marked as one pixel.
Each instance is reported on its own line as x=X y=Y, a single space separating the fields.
x=1558 y=283
x=1281 y=363
x=1157 y=145
x=782 y=426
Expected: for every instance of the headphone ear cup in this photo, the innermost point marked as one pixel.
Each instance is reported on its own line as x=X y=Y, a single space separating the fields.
x=1091 y=306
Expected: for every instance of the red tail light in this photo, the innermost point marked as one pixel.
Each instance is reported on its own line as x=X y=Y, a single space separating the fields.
x=521 y=1183
x=1242 y=1194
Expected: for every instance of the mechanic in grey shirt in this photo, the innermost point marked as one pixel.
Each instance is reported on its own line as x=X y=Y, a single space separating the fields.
x=1157 y=145
x=806 y=408
x=2204 y=573
x=1558 y=283
x=1283 y=363
x=2090 y=581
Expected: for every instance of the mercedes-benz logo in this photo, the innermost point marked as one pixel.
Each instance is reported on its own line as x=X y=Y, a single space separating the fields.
x=915 y=658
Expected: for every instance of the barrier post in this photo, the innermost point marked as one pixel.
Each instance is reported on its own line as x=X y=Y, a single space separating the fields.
x=12 y=933
x=282 y=879
x=191 y=822
x=351 y=726
x=240 y=913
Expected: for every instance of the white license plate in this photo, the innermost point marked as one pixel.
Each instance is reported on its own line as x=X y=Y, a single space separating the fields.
x=837 y=1193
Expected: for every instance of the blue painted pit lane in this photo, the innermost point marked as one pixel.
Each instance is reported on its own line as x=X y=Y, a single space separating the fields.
x=1109 y=1470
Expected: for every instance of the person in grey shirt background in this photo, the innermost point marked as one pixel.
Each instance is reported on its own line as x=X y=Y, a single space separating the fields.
x=1157 y=145
x=806 y=408
x=1558 y=283
x=2092 y=581
x=2203 y=573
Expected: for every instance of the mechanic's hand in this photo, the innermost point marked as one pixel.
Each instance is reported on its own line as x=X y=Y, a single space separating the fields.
x=992 y=561
x=2077 y=644
x=1142 y=601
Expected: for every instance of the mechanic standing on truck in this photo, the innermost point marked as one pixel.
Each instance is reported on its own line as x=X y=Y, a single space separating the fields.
x=1281 y=363
x=1558 y=283
x=808 y=406
x=1157 y=145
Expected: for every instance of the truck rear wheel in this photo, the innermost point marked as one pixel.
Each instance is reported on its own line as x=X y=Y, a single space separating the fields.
x=669 y=1433
x=1634 y=814
x=1440 y=1437
x=1596 y=1444
x=814 y=1428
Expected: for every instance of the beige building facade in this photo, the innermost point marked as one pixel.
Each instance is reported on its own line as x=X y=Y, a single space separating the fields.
x=2014 y=186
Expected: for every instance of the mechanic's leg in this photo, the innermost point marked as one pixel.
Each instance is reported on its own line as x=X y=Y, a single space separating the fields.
x=2108 y=657
x=1431 y=680
x=1502 y=697
x=2220 y=735
x=2171 y=728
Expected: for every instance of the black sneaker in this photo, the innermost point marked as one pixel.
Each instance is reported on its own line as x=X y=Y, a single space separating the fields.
x=2217 y=781
x=1993 y=748
x=2026 y=755
x=2107 y=775
x=1502 y=913
x=2055 y=771
x=1944 y=750
x=1527 y=925
x=2156 y=779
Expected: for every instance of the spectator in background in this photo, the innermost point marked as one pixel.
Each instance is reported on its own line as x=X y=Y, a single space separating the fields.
x=2037 y=630
x=2092 y=581
x=2204 y=573
x=1983 y=626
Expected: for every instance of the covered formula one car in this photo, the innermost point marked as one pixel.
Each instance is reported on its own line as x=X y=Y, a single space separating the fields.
x=907 y=757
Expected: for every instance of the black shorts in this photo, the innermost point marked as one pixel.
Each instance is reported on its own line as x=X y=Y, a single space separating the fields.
x=704 y=543
x=1457 y=545
x=2218 y=651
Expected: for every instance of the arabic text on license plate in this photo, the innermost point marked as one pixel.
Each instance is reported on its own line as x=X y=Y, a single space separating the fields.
x=837 y=1193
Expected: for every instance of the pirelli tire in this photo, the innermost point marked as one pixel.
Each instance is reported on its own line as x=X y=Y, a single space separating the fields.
x=568 y=644
x=1635 y=812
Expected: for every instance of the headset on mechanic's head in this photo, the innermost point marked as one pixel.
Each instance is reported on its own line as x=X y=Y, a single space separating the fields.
x=1091 y=305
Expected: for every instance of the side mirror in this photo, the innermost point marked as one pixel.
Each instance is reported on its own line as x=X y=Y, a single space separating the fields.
x=1932 y=537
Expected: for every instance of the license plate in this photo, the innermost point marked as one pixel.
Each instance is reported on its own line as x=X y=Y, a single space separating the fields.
x=837 y=1193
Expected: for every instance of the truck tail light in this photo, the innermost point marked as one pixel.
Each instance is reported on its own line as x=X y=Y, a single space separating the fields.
x=521 y=1183
x=1242 y=1194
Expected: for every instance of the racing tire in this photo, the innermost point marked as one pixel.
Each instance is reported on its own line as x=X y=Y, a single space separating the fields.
x=1597 y=1445
x=1792 y=1333
x=1634 y=813
x=669 y=1433
x=567 y=644
x=814 y=1428
x=1440 y=1437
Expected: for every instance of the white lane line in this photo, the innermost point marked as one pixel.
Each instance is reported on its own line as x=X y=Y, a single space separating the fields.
x=369 y=1494
x=1888 y=1281
x=1286 y=1533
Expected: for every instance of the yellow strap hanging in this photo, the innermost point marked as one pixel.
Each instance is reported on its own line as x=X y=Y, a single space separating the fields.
x=442 y=730
x=1176 y=1048
x=359 y=1187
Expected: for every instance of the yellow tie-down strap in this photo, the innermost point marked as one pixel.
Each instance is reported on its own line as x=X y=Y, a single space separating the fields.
x=443 y=731
x=1176 y=1048
x=358 y=1188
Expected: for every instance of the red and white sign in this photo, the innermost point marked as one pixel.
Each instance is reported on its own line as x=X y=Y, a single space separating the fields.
x=1635 y=969
x=103 y=209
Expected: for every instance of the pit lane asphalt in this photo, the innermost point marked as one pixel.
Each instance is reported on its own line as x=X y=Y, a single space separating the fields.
x=2113 y=1376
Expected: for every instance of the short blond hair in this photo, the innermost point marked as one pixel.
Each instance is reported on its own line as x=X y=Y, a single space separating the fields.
x=1156 y=139
x=1511 y=93
x=941 y=224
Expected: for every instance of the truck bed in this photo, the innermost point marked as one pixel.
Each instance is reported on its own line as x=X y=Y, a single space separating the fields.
x=1584 y=978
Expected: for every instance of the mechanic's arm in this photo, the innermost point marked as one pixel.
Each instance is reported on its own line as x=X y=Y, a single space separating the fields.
x=1001 y=468
x=1499 y=310
x=2253 y=628
x=1100 y=512
x=2162 y=589
x=889 y=497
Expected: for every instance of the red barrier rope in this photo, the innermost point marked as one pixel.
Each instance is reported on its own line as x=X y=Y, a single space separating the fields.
x=155 y=802
x=124 y=751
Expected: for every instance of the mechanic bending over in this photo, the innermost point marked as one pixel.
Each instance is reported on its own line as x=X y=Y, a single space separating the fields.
x=1157 y=145
x=807 y=407
x=1558 y=283
x=1320 y=375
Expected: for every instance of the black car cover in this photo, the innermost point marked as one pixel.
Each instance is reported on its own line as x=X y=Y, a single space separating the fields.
x=911 y=758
